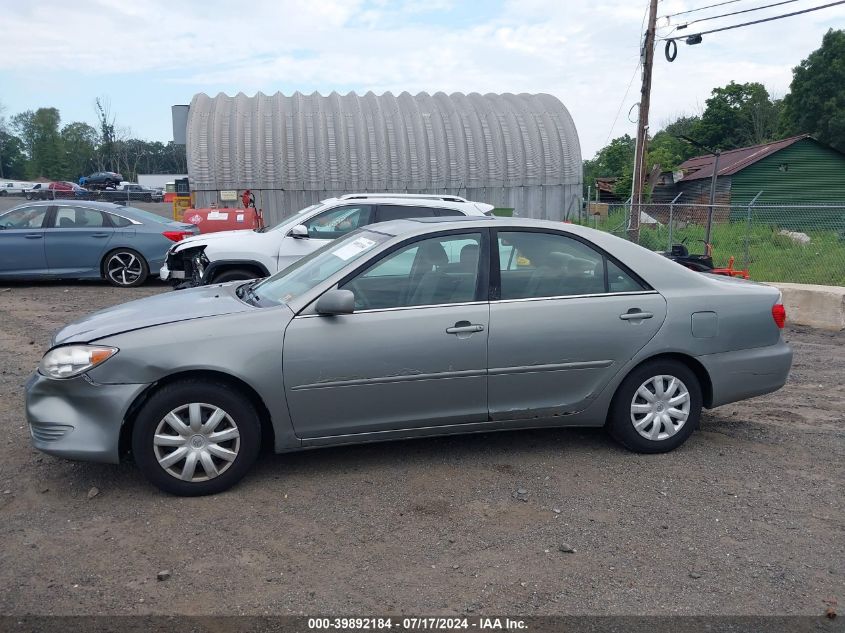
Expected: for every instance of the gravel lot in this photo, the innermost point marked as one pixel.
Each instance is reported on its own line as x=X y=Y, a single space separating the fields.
x=746 y=518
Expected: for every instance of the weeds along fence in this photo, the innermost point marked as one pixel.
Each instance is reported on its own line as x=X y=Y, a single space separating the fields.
x=802 y=243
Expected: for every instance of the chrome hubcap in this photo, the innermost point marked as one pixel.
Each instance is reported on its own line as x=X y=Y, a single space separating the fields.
x=660 y=407
x=124 y=268
x=196 y=442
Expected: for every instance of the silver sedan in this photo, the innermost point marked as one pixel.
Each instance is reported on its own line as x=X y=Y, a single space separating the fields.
x=407 y=329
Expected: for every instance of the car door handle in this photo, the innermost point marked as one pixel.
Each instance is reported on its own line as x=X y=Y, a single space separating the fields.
x=100 y=235
x=635 y=314
x=462 y=327
x=33 y=236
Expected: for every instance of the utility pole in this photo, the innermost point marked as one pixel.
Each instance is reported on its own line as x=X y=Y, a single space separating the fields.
x=642 y=124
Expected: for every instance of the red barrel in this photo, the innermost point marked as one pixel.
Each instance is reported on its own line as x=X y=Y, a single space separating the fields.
x=213 y=220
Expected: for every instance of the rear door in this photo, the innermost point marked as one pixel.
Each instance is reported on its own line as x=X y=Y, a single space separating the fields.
x=564 y=319
x=22 y=242
x=77 y=239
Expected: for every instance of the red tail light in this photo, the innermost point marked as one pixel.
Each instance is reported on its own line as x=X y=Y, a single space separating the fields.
x=177 y=236
x=779 y=315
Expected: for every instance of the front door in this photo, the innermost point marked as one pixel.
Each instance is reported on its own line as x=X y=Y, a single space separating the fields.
x=22 y=242
x=77 y=239
x=412 y=355
x=568 y=318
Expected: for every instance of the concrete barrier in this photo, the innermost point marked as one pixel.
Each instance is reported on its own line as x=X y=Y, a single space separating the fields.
x=815 y=306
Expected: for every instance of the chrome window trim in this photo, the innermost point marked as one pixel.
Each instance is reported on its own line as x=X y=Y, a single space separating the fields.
x=398 y=308
x=120 y=216
x=631 y=293
x=478 y=303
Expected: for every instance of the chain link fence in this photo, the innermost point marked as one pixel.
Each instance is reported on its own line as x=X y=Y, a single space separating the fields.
x=774 y=242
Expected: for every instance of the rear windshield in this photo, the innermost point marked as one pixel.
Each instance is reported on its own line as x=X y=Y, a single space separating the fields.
x=146 y=215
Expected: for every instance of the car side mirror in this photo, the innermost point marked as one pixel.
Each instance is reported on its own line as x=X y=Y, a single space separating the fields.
x=299 y=232
x=336 y=302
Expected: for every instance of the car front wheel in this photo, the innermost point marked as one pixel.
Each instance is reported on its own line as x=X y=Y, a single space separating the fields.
x=233 y=274
x=656 y=408
x=125 y=268
x=196 y=437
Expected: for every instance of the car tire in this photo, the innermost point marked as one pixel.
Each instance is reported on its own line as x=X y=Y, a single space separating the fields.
x=233 y=274
x=643 y=420
x=3 y=193
x=203 y=466
x=125 y=268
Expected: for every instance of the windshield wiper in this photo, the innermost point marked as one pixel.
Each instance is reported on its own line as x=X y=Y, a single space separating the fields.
x=246 y=292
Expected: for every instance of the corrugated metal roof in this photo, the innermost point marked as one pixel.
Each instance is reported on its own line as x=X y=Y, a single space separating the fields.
x=467 y=143
x=734 y=160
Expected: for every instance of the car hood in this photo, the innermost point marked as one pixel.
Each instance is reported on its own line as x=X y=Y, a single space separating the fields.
x=169 y=307
x=206 y=238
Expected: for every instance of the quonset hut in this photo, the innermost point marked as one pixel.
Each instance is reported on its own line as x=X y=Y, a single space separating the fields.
x=512 y=151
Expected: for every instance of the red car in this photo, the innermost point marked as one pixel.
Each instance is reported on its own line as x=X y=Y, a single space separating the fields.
x=58 y=189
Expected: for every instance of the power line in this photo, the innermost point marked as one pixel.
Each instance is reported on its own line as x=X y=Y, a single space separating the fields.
x=725 y=15
x=622 y=103
x=776 y=17
x=631 y=82
x=709 y=6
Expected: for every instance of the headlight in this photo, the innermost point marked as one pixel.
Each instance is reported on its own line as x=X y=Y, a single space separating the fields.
x=72 y=360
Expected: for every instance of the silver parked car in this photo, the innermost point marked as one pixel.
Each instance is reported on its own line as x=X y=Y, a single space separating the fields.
x=406 y=329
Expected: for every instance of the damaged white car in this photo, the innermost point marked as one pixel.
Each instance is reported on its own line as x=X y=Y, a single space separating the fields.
x=234 y=255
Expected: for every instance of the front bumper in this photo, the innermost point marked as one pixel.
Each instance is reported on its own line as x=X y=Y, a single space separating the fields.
x=167 y=275
x=747 y=373
x=76 y=418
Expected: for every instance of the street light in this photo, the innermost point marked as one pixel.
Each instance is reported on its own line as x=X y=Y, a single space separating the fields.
x=717 y=153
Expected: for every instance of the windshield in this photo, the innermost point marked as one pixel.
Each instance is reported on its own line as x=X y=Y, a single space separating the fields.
x=290 y=220
x=309 y=271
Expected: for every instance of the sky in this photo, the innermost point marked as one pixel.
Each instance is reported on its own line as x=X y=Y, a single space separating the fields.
x=142 y=56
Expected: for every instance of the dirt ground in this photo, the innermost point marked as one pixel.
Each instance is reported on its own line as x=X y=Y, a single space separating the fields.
x=746 y=518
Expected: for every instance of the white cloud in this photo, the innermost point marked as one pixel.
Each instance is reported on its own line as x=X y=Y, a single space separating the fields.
x=581 y=51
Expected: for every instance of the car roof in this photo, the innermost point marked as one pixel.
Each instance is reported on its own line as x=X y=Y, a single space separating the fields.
x=111 y=207
x=410 y=200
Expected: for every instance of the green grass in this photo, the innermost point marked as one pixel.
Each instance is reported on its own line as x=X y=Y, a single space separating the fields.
x=772 y=257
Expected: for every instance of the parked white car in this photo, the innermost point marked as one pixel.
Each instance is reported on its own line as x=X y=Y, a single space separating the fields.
x=246 y=254
x=14 y=188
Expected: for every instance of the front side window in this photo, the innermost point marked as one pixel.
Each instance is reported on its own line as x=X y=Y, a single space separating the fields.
x=534 y=264
x=78 y=218
x=25 y=218
x=315 y=268
x=337 y=222
x=433 y=271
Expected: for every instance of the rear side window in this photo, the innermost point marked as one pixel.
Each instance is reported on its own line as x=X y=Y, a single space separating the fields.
x=78 y=218
x=535 y=265
x=387 y=212
x=119 y=221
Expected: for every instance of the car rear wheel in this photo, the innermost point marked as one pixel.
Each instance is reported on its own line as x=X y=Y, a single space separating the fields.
x=196 y=437
x=233 y=274
x=656 y=408
x=125 y=268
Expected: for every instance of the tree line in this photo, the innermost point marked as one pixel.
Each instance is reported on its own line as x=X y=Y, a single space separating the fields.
x=35 y=144
x=739 y=115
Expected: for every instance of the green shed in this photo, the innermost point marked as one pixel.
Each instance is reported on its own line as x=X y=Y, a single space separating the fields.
x=793 y=171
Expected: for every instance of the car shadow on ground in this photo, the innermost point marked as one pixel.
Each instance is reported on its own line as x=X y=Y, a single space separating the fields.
x=494 y=449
